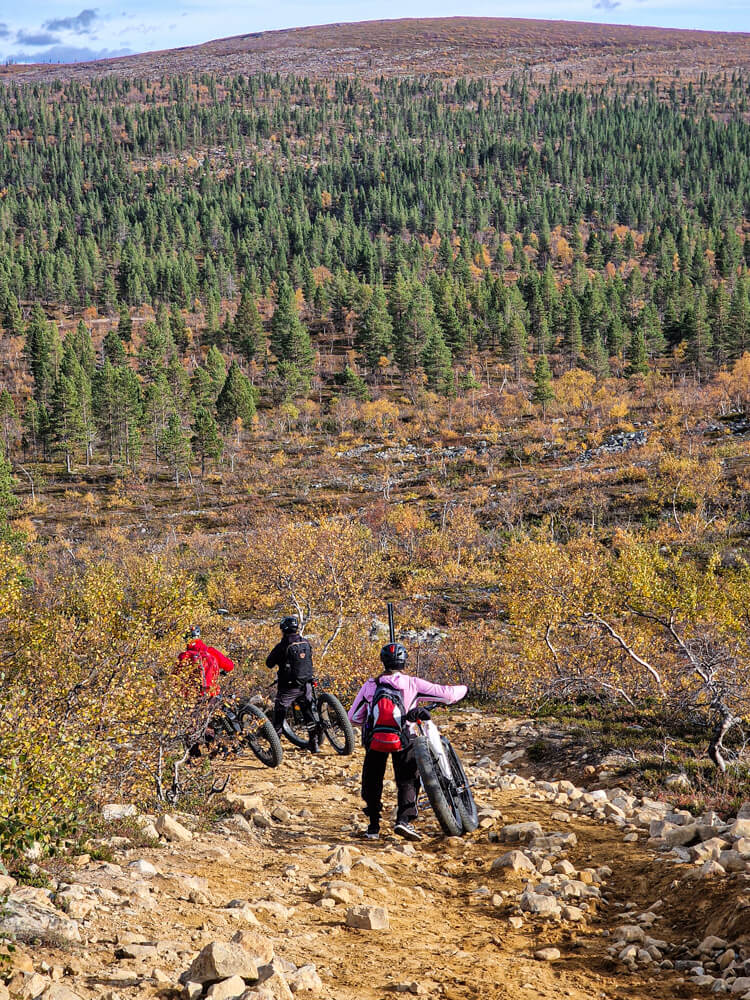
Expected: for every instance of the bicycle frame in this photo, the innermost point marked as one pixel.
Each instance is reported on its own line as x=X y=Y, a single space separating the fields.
x=426 y=727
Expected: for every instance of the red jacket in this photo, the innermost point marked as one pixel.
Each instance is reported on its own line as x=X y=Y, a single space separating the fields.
x=209 y=662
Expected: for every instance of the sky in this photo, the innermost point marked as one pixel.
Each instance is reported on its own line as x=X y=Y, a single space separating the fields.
x=58 y=31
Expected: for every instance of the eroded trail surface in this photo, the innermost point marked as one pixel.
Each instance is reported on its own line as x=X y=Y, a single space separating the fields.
x=292 y=865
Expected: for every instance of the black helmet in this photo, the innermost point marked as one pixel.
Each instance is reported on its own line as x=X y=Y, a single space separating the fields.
x=193 y=632
x=393 y=656
x=289 y=625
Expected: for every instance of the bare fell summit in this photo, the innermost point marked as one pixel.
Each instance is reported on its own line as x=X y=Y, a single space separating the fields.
x=448 y=47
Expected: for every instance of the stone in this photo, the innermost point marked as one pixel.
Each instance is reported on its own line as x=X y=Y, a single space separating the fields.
x=741 y=985
x=305 y=981
x=255 y=944
x=34 y=986
x=143 y=868
x=629 y=933
x=711 y=869
x=227 y=989
x=343 y=892
x=681 y=836
x=711 y=943
x=173 y=831
x=547 y=954
x=141 y=952
x=191 y=990
x=116 y=810
x=534 y=902
x=221 y=960
x=271 y=910
x=368 y=918
x=732 y=861
x=514 y=860
x=522 y=832
x=272 y=984
x=573 y=913
x=27 y=920
x=708 y=850
x=59 y=991
x=739 y=829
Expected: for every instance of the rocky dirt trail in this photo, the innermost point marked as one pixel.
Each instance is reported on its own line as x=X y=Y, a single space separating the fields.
x=603 y=898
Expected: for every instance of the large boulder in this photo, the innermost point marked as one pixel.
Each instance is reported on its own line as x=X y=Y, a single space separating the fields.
x=169 y=828
x=222 y=960
x=520 y=832
x=25 y=920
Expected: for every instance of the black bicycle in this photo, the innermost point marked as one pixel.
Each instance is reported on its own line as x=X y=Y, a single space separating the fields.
x=328 y=717
x=247 y=726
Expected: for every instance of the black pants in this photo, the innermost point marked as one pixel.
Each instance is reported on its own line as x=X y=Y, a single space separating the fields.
x=407 y=783
x=286 y=697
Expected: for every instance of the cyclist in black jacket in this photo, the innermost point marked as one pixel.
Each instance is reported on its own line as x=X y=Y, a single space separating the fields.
x=292 y=657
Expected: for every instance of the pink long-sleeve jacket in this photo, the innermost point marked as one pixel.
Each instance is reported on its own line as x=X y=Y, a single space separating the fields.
x=412 y=688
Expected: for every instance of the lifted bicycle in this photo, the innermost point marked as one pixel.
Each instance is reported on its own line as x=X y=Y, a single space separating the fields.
x=442 y=775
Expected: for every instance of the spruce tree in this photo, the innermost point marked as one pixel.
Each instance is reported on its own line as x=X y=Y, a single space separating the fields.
x=236 y=399
x=290 y=340
x=543 y=392
x=375 y=329
x=637 y=354
x=206 y=439
x=125 y=325
x=247 y=328
x=174 y=446
x=437 y=363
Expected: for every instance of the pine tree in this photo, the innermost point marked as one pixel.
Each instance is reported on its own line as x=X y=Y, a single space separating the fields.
x=637 y=354
x=573 y=340
x=437 y=363
x=216 y=368
x=236 y=399
x=125 y=325
x=67 y=419
x=543 y=391
x=353 y=384
x=174 y=446
x=375 y=329
x=290 y=340
x=206 y=439
x=8 y=499
x=247 y=328
x=597 y=357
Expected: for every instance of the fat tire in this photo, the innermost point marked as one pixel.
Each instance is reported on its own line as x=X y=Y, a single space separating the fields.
x=338 y=711
x=465 y=803
x=303 y=742
x=448 y=817
x=265 y=733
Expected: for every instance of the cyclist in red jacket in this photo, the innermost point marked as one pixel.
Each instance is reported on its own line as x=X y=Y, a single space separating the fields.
x=199 y=667
x=209 y=663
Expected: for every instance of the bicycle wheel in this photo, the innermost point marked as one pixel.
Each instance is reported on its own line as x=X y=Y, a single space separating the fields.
x=438 y=788
x=464 y=799
x=295 y=728
x=259 y=734
x=336 y=724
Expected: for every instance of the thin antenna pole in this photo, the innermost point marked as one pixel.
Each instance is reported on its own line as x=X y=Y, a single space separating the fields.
x=391 y=626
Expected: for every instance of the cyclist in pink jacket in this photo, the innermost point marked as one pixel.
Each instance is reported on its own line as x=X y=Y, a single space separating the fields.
x=381 y=707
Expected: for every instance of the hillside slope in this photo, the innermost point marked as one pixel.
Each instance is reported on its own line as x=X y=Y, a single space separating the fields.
x=450 y=47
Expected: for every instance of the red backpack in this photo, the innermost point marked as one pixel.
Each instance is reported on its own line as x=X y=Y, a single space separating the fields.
x=386 y=715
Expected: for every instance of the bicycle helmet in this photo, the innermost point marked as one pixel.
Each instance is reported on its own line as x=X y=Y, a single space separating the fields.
x=193 y=632
x=393 y=656
x=289 y=625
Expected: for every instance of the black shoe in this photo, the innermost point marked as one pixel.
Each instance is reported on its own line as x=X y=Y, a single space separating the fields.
x=372 y=832
x=407 y=831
